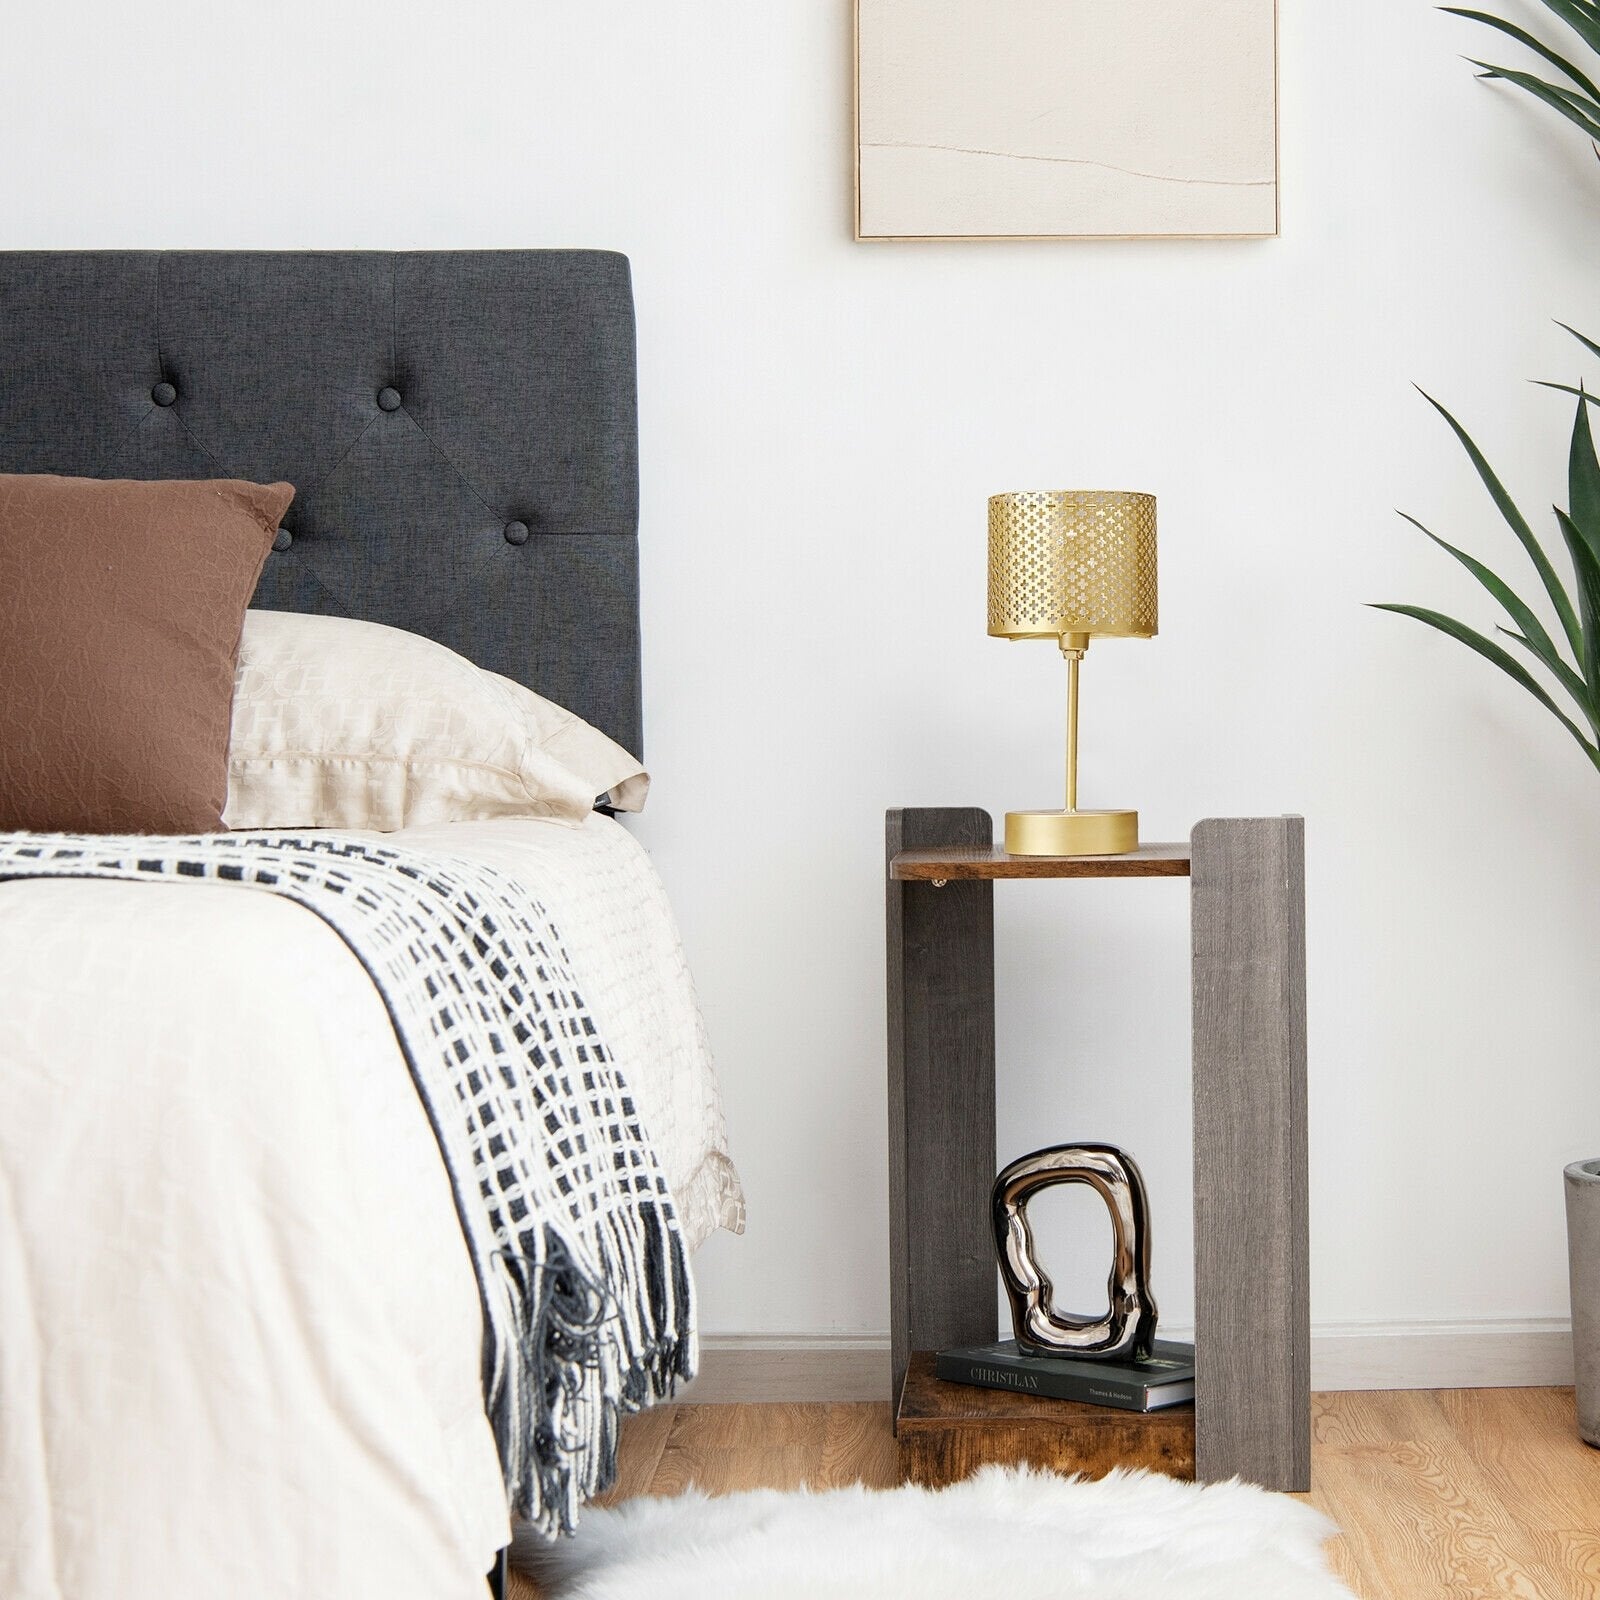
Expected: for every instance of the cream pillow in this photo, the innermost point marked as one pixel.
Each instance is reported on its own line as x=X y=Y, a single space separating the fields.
x=345 y=724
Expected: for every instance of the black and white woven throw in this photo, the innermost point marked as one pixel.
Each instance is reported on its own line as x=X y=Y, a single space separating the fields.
x=588 y=1310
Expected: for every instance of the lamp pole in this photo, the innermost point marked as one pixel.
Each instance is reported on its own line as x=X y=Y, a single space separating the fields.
x=1073 y=646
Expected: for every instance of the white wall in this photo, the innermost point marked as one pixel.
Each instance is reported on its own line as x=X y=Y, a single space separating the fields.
x=822 y=421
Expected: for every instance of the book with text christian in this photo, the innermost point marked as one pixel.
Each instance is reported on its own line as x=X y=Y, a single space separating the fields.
x=1166 y=1378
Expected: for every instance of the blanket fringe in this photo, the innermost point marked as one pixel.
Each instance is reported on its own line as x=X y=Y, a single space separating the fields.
x=587 y=1358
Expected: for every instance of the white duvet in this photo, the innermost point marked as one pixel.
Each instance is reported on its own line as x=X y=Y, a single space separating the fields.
x=239 y=1331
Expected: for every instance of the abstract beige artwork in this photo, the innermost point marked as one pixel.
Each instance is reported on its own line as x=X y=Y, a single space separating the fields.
x=1030 y=118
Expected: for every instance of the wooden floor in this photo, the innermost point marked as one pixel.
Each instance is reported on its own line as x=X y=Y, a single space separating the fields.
x=1456 y=1493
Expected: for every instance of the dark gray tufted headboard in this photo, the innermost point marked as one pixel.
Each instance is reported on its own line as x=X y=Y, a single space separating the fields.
x=460 y=429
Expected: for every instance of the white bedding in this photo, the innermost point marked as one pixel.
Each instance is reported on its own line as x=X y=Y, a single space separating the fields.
x=249 y=1365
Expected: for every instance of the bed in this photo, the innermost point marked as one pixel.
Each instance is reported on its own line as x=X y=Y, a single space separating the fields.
x=266 y=1375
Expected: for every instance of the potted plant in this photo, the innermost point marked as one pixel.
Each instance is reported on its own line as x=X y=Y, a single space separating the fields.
x=1560 y=669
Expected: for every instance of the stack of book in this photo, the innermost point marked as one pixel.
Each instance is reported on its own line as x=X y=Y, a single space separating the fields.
x=1164 y=1378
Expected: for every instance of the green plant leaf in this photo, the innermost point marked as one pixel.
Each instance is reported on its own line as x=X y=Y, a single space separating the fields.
x=1569 y=680
x=1576 y=109
x=1539 y=641
x=1583 y=479
x=1587 y=565
x=1506 y=662
x=1581 y=17
x=1568 y=388
x=1518 y=524
x=1522 y=36
x=1587 y=343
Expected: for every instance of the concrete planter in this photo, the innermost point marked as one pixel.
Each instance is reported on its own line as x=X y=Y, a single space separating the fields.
x=1583 y=1266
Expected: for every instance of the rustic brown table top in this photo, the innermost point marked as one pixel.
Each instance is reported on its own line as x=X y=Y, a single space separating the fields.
x=967 y=861
x=947 y=1430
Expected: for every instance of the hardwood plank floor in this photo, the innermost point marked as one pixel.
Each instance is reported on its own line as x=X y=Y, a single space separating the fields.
x=1442 y=1494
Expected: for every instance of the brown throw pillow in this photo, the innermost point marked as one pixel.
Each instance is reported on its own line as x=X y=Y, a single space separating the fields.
x=120 y=610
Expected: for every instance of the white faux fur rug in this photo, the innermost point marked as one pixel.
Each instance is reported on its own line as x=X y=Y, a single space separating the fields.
x=1006 y=1534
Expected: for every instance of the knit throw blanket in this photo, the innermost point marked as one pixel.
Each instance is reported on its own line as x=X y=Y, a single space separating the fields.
x=588 y=1312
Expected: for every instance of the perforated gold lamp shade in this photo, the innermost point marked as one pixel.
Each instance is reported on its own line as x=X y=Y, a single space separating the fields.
x=1072 y=561
x=1072 y=565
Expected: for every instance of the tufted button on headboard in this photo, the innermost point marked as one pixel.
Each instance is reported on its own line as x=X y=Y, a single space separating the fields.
x=428 y=407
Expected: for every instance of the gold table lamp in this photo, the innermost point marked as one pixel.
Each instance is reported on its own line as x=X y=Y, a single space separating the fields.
x=1072 y=565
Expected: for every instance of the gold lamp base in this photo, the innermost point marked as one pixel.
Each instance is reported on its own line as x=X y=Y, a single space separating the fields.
x=1071 y=833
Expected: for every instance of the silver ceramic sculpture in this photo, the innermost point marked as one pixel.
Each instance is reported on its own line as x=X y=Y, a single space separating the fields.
x=1128 y=1326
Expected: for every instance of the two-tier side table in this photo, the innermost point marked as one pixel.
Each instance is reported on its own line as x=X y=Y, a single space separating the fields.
x=1252 y=1413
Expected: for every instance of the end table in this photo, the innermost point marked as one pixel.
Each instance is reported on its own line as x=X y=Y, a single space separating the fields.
x=1252 y=1325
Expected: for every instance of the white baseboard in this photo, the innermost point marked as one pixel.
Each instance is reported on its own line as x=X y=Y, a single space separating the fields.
x=1481 y=1353
x=1472 y=1354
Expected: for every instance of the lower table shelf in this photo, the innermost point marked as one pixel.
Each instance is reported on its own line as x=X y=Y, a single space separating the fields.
x=946 y=1431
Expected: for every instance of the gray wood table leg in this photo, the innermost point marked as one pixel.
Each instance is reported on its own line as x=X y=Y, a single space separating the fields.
x=941 y=1096
x=1252 y=1323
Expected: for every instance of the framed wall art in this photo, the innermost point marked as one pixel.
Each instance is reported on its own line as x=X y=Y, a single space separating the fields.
x=987 y=119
